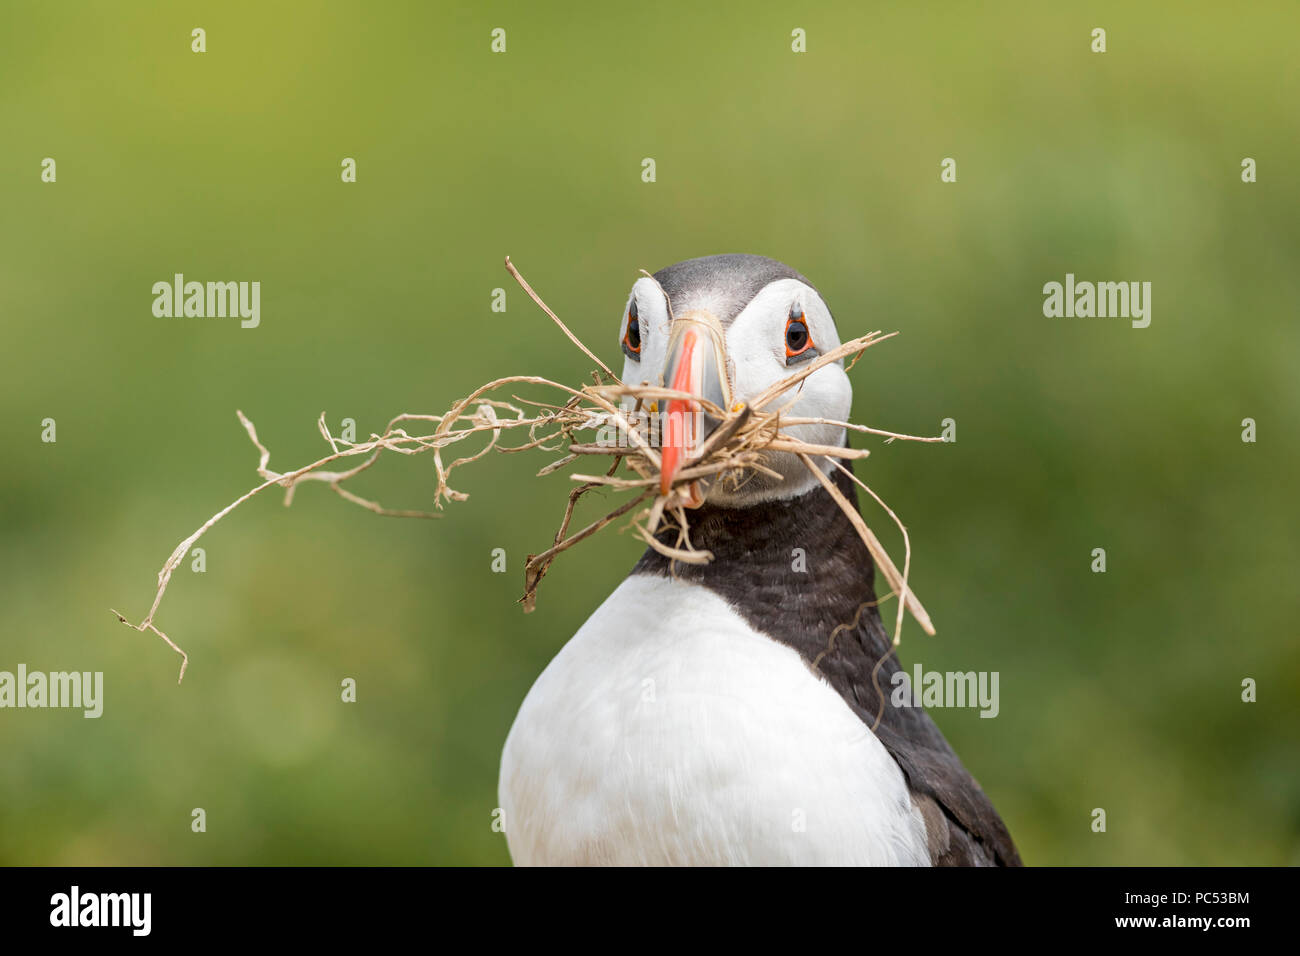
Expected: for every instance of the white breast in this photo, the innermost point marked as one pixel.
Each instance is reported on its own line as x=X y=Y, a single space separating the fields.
x=668 y=731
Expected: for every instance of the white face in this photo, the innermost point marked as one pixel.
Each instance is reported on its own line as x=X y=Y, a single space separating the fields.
x=651 y=309
x=782 y=327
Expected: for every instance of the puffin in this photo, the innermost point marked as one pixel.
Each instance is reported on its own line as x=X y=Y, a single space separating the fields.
x=726 y=714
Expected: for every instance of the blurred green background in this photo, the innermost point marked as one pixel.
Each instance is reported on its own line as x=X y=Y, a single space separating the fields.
x=1118 y=690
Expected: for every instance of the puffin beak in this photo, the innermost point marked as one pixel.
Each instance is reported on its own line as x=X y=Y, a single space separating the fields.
x=696 y=366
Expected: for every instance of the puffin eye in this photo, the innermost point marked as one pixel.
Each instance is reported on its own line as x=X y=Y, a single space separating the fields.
x=632 y=337
x=798 y=342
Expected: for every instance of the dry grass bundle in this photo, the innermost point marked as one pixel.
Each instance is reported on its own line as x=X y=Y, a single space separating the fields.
x=733 y=451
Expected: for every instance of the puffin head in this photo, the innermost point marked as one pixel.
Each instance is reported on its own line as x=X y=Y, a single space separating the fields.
x=725 y=328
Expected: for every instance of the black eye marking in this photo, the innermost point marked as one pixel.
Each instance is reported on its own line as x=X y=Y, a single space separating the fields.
x=798 y=340
x=632 y=337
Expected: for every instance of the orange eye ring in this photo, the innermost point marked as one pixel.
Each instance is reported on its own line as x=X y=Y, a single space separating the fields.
x=632 y=336
x=798 y=339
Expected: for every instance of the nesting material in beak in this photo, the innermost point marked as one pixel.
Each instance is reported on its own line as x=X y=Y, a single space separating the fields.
x=697 y=367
